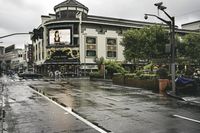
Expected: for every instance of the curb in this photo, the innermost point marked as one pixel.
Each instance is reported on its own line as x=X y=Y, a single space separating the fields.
x=175 y=96
x=103 y=80
x=170 y=94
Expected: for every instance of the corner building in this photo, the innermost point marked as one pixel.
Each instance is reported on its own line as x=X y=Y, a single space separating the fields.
x=71 y=40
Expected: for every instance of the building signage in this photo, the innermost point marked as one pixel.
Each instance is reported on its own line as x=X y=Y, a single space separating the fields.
x=60 y=37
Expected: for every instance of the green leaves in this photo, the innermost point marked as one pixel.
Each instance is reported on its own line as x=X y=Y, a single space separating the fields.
x=145 y=43
x=190 y=47
x=114 y=67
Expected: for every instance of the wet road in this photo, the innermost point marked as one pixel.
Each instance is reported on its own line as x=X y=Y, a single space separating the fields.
x=28 y=112
x=123 y=109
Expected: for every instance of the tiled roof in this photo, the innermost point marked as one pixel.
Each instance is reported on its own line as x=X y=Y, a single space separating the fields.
x=70 y=3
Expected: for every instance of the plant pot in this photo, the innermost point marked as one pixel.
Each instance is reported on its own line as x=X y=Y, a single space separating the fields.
x=163 y=83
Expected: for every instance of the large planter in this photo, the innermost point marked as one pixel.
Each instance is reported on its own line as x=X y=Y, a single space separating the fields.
x=118 y=79
x=163 y=83
x=139 y=83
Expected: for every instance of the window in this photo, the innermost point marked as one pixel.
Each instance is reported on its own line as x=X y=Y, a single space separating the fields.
x=91 y=53
x=90 y=40
x=19 y=55
x=111 y=54
x=111 y=47
x=91 y=47
x=39 y=50
x=76 y=41
x=36 y=57
x=111 y=41
x=42 y=50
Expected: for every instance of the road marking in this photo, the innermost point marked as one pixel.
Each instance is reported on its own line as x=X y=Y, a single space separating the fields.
x=185 y=118
x=69 y=110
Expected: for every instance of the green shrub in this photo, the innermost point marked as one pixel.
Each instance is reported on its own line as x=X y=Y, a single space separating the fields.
x=139 y=73
x=96 y=75
x=113 y=67
x=140 y=76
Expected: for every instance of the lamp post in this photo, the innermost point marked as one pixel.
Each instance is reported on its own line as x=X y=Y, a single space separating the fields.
x=81 y=44
x=171 y=24
x=15 y=34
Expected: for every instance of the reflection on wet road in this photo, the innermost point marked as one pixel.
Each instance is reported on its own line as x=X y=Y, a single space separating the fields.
x=28 y=112
x=122 y=109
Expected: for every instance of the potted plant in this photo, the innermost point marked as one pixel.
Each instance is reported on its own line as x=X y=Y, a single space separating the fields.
x=163 y=79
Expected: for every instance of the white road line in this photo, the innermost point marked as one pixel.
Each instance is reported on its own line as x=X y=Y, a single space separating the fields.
x=69 y=110
x=185 y=118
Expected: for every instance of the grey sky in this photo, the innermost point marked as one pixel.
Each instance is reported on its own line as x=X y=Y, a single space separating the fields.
x=24 y=15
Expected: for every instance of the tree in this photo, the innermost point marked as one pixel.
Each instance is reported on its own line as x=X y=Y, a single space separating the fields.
x=113 y=67
x=145 y=43
x=190 y=47
x=100 y=63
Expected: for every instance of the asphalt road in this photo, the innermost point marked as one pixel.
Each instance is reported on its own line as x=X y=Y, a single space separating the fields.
x=28 y=112
x=123 y=109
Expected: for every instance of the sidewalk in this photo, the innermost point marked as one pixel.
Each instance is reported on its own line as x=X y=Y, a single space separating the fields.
x=28 y=112
x=192 y=100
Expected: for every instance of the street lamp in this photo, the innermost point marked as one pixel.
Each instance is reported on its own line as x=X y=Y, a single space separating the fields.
x=79 y=15
x=171 y=24
x=15 y=34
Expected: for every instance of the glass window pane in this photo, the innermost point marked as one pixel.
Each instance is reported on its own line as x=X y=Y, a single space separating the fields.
x=90 y=40
x=111 y=54
x=111 y=41
x=91 y=53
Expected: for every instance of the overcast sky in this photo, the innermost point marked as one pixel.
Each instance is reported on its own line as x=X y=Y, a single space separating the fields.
x=24 y=15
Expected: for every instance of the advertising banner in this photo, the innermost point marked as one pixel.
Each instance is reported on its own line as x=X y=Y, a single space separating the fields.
x=60 y=37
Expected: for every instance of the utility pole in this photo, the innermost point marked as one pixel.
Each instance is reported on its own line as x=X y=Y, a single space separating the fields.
x=173 y=67
x=171 y=24
x=79 y=16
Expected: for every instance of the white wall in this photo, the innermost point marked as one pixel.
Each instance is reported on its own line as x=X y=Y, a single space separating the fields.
x=101 y=44
x=193 y=26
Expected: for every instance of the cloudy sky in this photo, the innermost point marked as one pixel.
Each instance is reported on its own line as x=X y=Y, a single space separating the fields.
x=24 y=15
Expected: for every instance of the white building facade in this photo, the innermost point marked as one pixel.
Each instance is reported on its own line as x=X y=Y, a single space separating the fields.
x=71 y=40
x=192 y=25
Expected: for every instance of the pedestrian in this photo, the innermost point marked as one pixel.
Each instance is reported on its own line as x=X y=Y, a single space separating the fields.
x=51 y=74
x=56 y=75
x=59 y=75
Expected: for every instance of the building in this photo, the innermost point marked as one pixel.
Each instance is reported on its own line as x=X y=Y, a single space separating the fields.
x=2 y=62
x=28 y=56
x=70 y=40
x=13 y=59
x=192 y=25
x=2 y=50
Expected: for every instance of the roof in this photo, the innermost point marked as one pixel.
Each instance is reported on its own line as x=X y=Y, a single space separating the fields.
x=191 y=23
x=71 y=3
x=91 y=19
x=117 y=21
